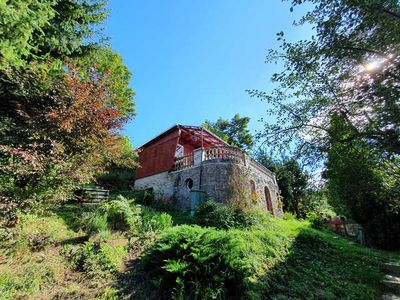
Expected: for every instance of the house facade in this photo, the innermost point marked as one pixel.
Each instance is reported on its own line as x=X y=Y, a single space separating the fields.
x=187 y=159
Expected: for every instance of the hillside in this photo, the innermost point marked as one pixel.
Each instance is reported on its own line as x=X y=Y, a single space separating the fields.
x=51 y=257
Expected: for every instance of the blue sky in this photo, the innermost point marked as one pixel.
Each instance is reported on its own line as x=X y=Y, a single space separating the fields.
x=193 y=60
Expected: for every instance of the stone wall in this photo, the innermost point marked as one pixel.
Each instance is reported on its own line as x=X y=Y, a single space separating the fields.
x=217 y=180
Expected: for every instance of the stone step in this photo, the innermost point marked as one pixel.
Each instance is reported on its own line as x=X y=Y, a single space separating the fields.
x=390 y=297
x=392 y=268
x=392 y=283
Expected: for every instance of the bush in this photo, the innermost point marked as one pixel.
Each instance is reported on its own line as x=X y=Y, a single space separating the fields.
x=212 y=214
x=120 y=214
x=289 y=216
x=153 y=220
x=316 y=220
x=94 y=222
x=190 y=262
x=94 y=257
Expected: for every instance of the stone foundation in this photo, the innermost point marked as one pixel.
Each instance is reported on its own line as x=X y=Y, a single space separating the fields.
x=219 y=179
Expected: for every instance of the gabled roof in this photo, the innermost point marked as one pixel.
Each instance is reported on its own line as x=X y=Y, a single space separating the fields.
x=196 y=131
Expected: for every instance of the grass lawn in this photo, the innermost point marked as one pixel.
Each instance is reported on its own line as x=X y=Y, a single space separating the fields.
x=290 y=260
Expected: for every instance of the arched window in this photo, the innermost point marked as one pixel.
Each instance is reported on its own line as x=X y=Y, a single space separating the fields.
x=268 y=200
x=252 y=187
x=189 y=183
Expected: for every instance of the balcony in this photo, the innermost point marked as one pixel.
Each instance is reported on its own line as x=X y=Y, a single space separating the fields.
x=209 y=154
x=218 y=154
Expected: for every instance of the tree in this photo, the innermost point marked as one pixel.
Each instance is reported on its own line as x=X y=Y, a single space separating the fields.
x=39 y=30
x=349 y=71
x=350 y=66
x=361 y=187
x=291 y=179
x=234 y=132
x=59 y=136
x=65 y=97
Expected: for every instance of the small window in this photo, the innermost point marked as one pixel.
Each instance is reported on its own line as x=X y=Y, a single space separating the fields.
x=189 y=183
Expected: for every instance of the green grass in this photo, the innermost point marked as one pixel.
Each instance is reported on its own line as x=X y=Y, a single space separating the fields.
x=45 y=272
x=282 y=259
x=278 y=259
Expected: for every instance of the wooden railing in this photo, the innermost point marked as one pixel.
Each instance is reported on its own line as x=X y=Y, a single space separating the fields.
x=184 y=162
x=223 y=153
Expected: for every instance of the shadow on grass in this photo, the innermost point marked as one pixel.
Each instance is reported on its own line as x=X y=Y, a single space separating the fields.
x=71 y=214
x=317 y=265
x=320 y=265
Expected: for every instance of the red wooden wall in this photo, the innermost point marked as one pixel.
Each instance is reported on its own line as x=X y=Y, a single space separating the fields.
x=158 y=156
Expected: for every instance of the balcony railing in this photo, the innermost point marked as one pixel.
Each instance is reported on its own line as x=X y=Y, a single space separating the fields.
x=218 y=154
x=215 y=153
x=184 y=162
x=223 y=153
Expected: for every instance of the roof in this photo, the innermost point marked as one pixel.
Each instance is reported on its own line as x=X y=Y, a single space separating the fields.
x=196 y=131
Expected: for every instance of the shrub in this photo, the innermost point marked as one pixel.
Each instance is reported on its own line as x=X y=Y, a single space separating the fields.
x=153 y=220
x=94 y=222
x=316 y=220
x=94 y=257
x=121 y=215
x=145 y=197
x=190 y=262
x=210 y=213
x=289 y=216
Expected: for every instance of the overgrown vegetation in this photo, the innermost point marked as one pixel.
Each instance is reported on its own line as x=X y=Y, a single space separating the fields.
x=279 y=260
x=336 y=107
x=76 y=251
x=64 y=96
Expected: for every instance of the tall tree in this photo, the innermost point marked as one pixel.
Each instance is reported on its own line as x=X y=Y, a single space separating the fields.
x=39 y=30
x=234 y=132
x=349 y=66
x=362 y=187
x=292 y=181
x=65 y=97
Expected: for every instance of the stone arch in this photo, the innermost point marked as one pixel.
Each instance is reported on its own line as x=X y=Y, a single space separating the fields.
x=268 y=200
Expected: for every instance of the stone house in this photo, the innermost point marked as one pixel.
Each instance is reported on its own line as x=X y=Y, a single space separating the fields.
x=187 y=160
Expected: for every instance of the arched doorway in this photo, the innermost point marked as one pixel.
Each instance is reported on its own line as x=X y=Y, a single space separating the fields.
x=268 y=200
x=252 y=187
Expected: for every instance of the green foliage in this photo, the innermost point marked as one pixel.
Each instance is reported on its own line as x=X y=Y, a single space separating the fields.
x=94 y=222
x=282 y=259
x=278 y=258
x=289 y=216
x=348 y=66
x=42 y=30
x=212 y=214
x=121 y=215
x=334 y=268
x=316 y=200
x=292 y=181
x=234 y=132
x=154 y=221
x=316 y=220
x=39 y=241
x=64 y=97
x=193 y=262
x=363 y=187
x=94 y=257
x=144 y=197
